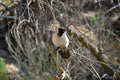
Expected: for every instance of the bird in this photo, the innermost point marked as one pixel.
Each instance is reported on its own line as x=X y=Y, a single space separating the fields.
x=60 y=38
x=61 y=41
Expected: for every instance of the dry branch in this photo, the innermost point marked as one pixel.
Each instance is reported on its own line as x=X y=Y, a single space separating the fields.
x=100 y=58
x=61 y=70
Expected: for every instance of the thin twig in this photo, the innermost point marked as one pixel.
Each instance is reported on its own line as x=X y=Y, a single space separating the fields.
x=114 y=7
x=9 y=17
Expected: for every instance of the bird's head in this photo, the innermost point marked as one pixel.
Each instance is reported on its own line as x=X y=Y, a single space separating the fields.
x=61 y=31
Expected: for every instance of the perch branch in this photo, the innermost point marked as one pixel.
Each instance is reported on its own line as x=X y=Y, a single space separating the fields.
x=61 y=70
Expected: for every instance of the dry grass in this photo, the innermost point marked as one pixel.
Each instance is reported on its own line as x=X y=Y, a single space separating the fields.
x=29 y=38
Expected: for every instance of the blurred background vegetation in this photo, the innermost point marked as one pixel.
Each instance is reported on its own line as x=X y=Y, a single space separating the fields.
x=27 y=51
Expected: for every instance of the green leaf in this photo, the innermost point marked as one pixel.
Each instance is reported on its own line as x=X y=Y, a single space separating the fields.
x=2 y=70
x=97 y=17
